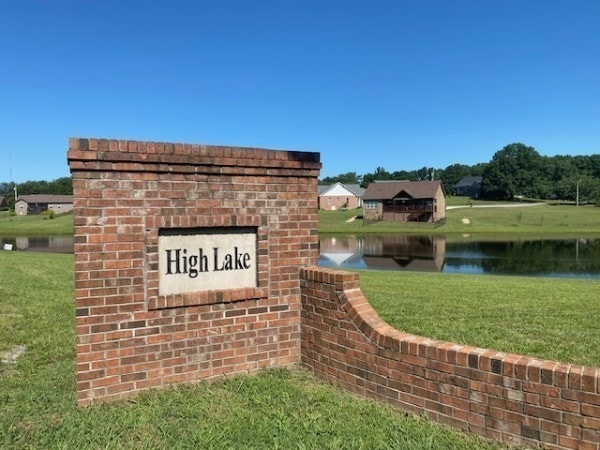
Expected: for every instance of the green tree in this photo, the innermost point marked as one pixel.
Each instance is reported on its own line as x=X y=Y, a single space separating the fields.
x=453 y=174
x=345 y=178
x=425 y=173
x=33 y=187
x=59 y=186
x=513 y=171
x=62 y=186
x=379 y=174
x=588 y=189
x=410 y=175
x=478 y=169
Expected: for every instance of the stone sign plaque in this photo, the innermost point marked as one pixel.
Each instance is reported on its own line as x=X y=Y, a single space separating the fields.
x=206 y=259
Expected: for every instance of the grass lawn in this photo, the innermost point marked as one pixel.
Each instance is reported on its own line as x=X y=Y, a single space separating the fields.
x=544 y=219
x=275 y=409
x=543 y=317
x=551 y=318
x=32 y=225
x=540 y=220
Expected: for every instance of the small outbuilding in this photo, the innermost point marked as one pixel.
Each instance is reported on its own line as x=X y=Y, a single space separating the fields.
x=405 y=201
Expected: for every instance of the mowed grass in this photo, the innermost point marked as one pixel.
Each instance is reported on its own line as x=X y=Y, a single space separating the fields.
x=539 y=219
x=31 y=225
x=483 y=218
x=275 y=409
x=550 y=318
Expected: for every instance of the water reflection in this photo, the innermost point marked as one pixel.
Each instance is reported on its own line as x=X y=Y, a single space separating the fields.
x=575 y=258
x=52 y=244
x=557 y=258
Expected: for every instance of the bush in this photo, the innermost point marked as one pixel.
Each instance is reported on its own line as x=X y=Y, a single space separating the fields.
x=47 y=214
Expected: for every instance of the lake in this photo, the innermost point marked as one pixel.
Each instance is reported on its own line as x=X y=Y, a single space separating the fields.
x=53 y=244
x=572 y=258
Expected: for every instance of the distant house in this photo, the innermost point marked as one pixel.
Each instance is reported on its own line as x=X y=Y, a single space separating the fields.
x=38 y=203
x=405 y=201
x=469 y=186
x=340 y=196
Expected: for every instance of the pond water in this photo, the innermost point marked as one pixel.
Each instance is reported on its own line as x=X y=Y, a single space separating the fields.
x=53 y=244
x=572 y=258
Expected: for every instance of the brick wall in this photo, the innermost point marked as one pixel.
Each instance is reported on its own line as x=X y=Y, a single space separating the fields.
x=331 y=202
x=501 y=396
x=131 y=338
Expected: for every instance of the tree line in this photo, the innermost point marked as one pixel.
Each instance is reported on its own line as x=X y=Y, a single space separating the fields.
x=59 y=186
x=515 y=171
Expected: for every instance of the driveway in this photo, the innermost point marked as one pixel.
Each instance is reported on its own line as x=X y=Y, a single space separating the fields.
x=497 y=205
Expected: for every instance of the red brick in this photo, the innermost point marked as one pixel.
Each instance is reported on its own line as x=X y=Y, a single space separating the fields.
x=518 y=400
x=124 y=192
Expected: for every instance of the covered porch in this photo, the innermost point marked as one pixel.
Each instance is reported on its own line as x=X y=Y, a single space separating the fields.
x=409 y=209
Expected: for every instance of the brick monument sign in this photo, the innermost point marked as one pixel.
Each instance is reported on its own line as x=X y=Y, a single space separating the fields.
x=192 y=262
x=187 y=261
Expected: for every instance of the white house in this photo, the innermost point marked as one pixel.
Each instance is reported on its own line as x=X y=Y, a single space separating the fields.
x=340 y=196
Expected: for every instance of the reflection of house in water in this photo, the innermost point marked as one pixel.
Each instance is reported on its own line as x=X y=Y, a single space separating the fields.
x=424 y=253
x=52 y=244
x=343 y=251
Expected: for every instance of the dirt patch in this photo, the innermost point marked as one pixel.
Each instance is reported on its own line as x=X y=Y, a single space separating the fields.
x=11 y=356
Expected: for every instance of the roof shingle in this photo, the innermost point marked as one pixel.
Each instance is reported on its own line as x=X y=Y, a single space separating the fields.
x=391 y=189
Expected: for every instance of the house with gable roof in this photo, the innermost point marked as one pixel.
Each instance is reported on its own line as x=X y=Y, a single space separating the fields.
x=405 y=201
x=469 y=186
x=38 y=203
x=340 y=196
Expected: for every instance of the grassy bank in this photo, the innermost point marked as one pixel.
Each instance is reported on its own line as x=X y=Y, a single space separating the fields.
x=540 y=220
x=551 y=318
x=275 y=409
x=35 y=225
x=544 y=219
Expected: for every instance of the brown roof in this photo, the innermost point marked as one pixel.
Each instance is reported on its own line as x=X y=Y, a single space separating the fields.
x=388 y=190
x=46 y=198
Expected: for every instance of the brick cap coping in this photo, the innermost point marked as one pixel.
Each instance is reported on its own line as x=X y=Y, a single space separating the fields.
x=159 y=153
x=386 y=337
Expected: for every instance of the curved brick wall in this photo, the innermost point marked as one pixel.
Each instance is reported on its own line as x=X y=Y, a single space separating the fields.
x=502 y=396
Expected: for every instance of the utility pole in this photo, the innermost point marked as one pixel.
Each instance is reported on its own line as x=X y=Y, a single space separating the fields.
x=577 y=196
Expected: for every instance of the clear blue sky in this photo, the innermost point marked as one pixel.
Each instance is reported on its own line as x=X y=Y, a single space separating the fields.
x=399 y=84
